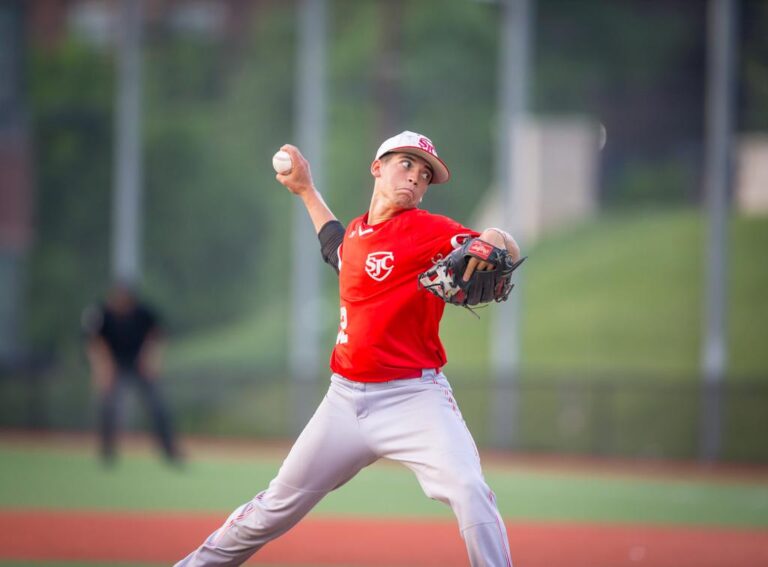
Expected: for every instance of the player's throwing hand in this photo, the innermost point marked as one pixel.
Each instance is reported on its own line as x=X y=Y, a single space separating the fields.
x=298 y=180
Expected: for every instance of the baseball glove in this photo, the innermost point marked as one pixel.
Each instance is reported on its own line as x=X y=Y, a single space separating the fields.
x=445 y=278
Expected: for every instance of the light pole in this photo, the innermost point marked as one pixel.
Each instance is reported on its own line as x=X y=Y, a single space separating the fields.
x=127 y=189
x=721 y=23
x=310 y=131
x=514 y=65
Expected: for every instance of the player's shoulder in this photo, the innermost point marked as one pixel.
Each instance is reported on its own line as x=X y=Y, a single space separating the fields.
x=355 y=222
x=433 y=221
x=148 y=313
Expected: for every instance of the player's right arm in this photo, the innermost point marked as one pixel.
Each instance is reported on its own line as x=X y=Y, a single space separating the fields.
x=100 y=359
x=331 y=236
x=299 y=182
x=103 y=366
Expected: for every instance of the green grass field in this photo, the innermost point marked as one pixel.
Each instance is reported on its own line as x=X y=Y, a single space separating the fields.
x=66 y=476
x=72 y=479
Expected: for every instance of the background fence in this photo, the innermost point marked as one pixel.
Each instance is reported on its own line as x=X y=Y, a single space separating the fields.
x=641 y=417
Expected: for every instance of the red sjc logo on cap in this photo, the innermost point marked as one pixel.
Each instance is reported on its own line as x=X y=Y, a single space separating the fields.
x=426 y=145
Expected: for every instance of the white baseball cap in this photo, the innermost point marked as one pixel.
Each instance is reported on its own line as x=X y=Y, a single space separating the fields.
x=412 y=143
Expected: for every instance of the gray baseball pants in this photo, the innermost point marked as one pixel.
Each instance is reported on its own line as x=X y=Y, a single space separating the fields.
x=415 y=422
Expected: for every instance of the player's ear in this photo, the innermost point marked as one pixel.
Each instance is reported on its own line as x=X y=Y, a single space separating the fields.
x=376 y=168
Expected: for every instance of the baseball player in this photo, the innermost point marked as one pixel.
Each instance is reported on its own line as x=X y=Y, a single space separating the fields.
x=388 y=396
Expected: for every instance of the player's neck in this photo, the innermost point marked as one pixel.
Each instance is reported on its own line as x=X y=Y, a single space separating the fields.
x=382 y=210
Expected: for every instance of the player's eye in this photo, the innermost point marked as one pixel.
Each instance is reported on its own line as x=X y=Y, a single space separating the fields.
x=406 y=163
x=426 y=175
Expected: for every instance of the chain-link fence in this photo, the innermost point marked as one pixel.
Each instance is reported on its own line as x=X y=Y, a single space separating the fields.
x=632 y=417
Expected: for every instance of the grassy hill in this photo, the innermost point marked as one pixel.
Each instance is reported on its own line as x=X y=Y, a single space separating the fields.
x=618 y=296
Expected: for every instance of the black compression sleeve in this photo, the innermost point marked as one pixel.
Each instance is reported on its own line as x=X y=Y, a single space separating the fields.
x=331 y=236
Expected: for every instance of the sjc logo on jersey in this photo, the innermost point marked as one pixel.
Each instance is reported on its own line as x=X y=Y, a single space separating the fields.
x=379 y=265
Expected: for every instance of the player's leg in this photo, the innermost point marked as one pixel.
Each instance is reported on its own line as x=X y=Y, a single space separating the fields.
x=109 y=417
x=328 y=453
x=428 y=435
x=160 y=415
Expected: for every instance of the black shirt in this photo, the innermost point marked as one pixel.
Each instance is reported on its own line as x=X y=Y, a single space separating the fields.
x=125 y=333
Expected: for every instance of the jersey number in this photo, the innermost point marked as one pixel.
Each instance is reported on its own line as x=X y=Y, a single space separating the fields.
x=342 y=338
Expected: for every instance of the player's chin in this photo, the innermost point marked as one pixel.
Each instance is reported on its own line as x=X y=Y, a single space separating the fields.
x=406 y=199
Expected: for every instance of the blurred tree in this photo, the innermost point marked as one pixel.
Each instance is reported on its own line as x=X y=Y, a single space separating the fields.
x=212 y=202
x=637 y=67
x=198 y=216
x=754 y=66
x=450 y=89
x=430 y=67
x=70 y=92
x=387 y=91
x=208 y=211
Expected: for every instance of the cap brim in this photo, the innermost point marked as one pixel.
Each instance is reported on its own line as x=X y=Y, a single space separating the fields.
x=440 y=171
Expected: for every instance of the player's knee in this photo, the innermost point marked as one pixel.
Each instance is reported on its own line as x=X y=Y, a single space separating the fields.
x=279 y=508
x=470 y=488
x=472 y=500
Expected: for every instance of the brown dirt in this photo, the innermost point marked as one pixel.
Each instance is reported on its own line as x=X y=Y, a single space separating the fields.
x=44 y=535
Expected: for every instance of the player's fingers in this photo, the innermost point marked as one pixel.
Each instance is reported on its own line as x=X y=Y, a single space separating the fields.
x=283 y=179
x=292 y=150
x=296 y=156
x=299 y=173
x=471 y=265
x=475 y=264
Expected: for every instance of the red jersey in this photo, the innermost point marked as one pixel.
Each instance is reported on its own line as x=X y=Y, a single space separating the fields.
x=389 y=326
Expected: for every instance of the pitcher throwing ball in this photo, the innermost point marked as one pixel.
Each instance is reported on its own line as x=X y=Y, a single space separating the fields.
x=398 y=265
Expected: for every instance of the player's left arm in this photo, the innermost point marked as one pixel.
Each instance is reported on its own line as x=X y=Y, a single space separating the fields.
x=498 y=238
x=102 y=363
x=151 y=354
x=501 y=239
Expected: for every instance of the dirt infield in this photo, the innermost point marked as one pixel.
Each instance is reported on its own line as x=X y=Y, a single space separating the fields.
x=108 y=536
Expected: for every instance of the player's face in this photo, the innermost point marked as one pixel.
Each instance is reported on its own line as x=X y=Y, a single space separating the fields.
x=402 y=179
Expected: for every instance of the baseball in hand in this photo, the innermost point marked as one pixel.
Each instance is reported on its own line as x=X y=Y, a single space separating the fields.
x=281 y=161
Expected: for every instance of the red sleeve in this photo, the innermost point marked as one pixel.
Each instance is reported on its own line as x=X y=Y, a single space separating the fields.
x=445 y=234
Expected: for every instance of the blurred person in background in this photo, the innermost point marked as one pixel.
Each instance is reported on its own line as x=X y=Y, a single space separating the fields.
x=124 y=343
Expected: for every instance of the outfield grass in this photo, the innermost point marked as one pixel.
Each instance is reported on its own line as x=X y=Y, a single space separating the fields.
x=72 y=479
x=624 y=296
